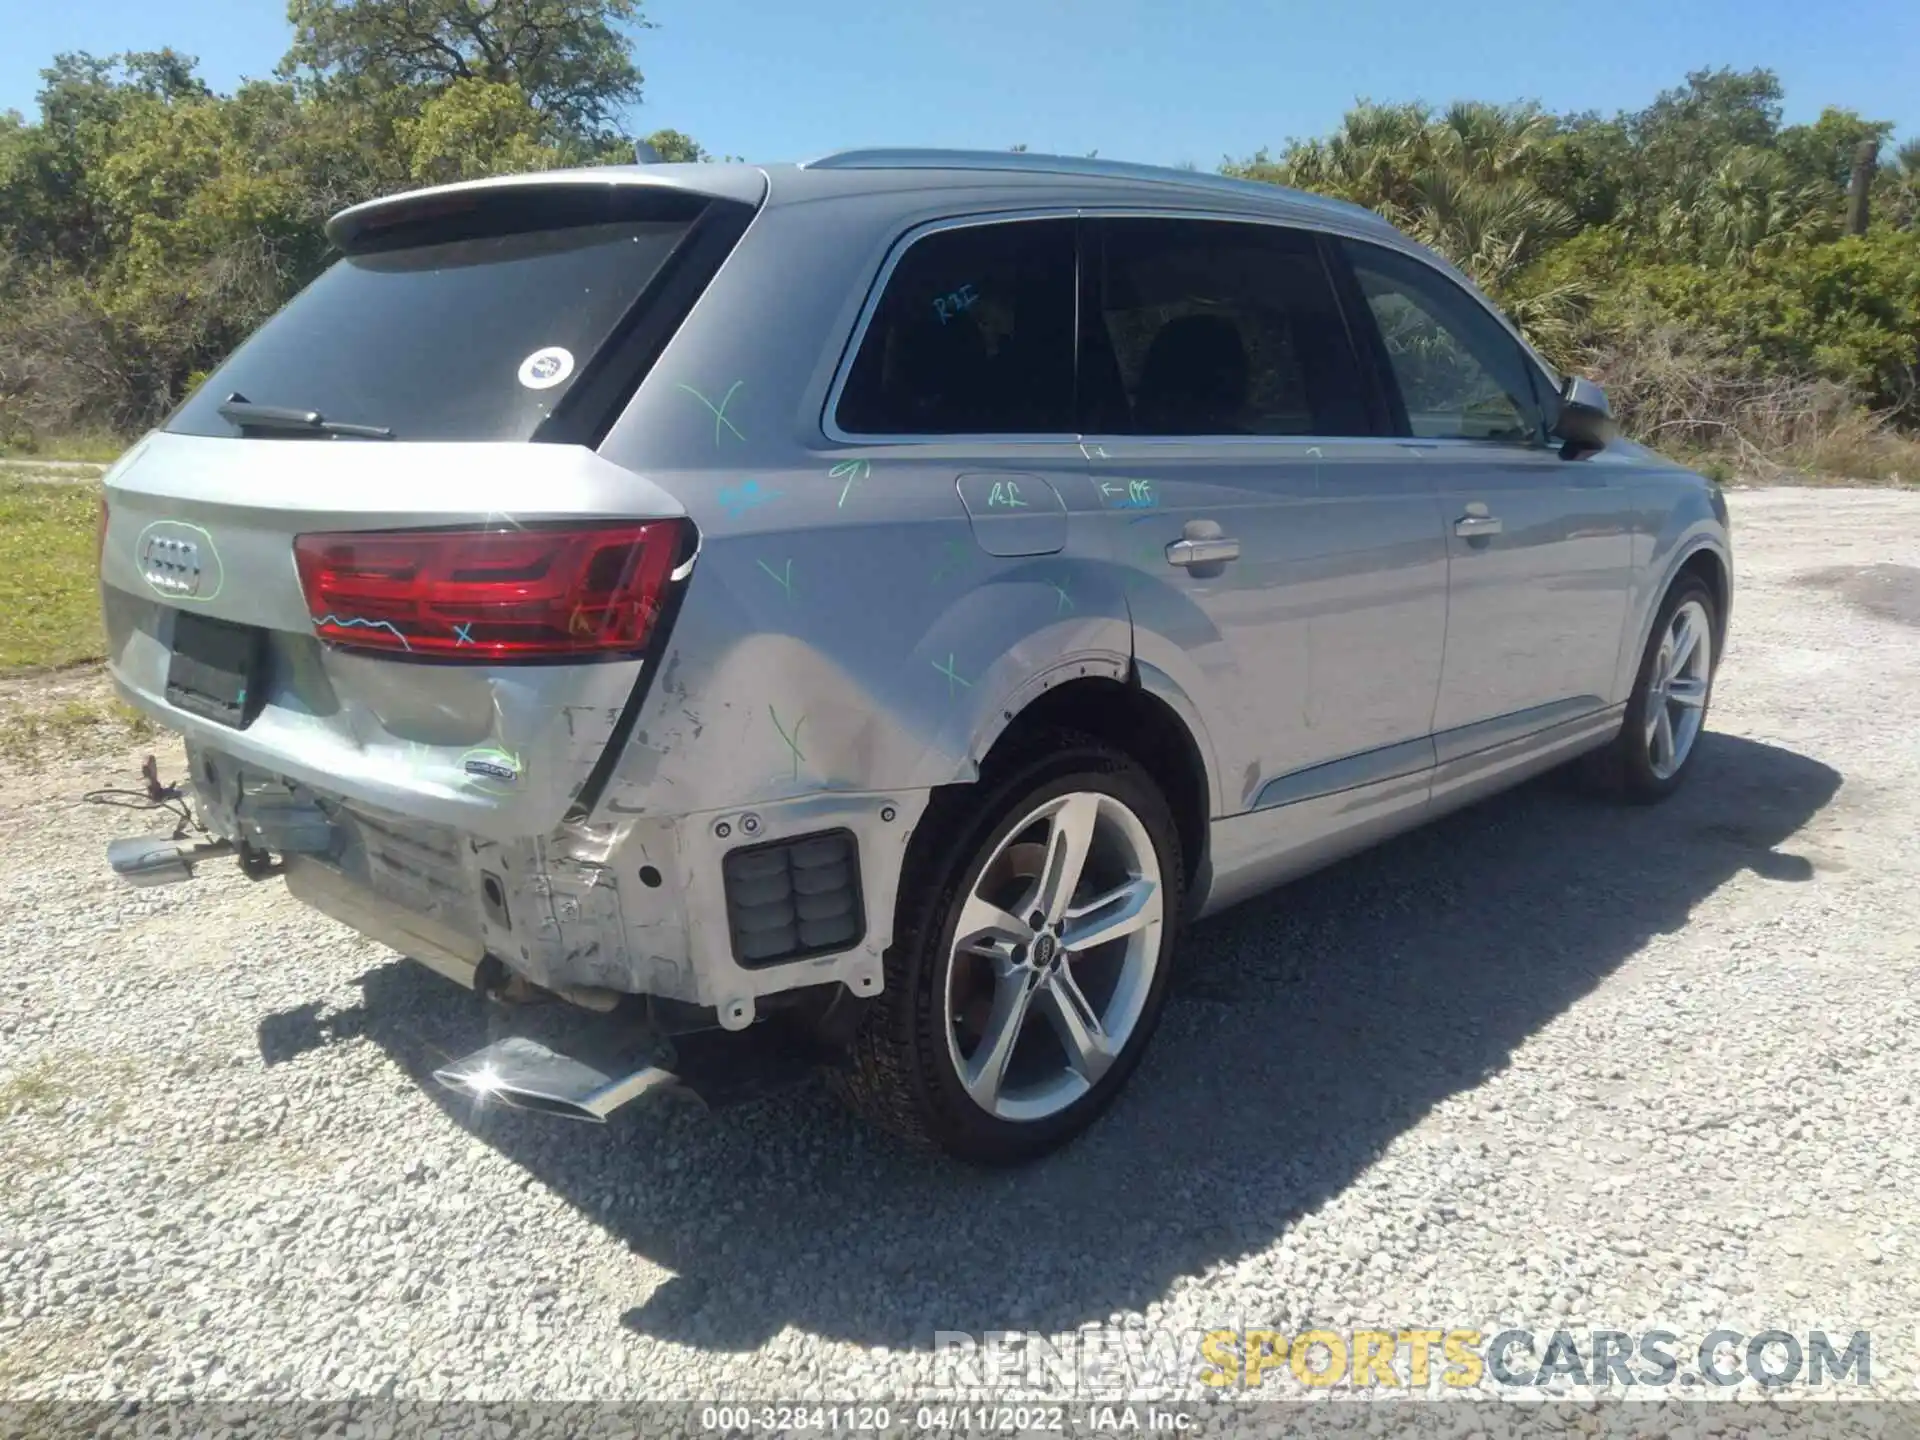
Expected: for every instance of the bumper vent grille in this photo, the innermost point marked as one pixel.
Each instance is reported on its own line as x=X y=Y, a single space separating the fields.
x=789 y=899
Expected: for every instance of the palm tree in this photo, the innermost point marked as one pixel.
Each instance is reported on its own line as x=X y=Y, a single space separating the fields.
x=1460 y=181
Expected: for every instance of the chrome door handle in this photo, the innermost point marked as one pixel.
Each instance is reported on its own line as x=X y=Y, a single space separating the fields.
x=1203 y=552
x=1476 y=522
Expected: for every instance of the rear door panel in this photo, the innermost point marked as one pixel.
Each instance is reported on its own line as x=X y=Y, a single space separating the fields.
x=1323 y=639
x=499 y=750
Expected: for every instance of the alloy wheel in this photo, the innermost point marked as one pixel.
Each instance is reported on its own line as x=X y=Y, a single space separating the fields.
x=1054 y=954
x=1677 y=689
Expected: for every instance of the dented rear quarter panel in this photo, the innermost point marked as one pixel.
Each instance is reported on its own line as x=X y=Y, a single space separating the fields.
x=847 y=625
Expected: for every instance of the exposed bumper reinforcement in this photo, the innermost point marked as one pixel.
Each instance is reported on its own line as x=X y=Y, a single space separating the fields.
x=528 y=1076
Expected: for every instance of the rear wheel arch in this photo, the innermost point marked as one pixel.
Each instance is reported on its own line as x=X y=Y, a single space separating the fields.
x=1127 y=716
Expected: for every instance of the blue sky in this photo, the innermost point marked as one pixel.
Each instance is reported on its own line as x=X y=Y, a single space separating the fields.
x=1166 y=82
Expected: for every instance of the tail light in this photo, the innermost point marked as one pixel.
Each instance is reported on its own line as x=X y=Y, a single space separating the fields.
x=585 y=590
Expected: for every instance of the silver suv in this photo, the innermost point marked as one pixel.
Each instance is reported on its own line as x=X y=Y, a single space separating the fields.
x=871 y=603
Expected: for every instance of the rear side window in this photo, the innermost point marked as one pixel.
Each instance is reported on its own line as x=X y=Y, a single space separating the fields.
x=973 y=335
x=454 y=329
x=1461 y=375
x=1200 y=327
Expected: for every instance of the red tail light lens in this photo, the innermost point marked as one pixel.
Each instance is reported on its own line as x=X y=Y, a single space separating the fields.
x=490 y=594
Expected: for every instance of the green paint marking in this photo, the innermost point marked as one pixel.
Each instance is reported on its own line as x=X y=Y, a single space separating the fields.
x=954 y=556
x=784 y=579
x=854 y=472
x=793 y=740
x=720 y=410
x=953 y=679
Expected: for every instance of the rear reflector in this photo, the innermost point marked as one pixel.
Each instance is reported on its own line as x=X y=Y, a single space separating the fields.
x=581 y=590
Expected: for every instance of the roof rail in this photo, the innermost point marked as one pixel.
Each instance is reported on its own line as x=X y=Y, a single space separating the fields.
x=1030 y=163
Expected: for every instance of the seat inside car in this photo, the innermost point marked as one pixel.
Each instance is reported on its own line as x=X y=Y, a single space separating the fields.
x=1194 y=380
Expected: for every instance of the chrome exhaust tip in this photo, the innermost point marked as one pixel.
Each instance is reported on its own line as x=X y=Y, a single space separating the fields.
x=159 y=859
x=528 y=1076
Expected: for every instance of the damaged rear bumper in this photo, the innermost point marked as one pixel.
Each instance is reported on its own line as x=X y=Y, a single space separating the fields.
x=712 y=910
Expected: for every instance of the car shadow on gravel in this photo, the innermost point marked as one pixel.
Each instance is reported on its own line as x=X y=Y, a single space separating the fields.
x=1308 y=1030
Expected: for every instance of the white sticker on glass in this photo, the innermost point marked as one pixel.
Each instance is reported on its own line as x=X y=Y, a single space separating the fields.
x=544 y=369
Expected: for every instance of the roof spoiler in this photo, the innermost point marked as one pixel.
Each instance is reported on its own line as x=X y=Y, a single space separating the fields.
x=353 y=228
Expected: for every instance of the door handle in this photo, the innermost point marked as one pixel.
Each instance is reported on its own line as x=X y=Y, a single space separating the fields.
x=1476 y=522
x=1211 y=551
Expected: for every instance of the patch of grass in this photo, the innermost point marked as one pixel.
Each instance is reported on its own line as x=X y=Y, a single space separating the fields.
x=73 y=727
x=38 y=1089
x=48 y=474
x=102 y=449
x=49 y=590
x=1853 y=454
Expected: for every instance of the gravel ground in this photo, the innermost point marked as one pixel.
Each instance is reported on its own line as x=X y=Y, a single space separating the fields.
x=1547 y=1063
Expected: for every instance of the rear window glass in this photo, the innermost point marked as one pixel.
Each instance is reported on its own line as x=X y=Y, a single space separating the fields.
x=973 y=336
x=469 y=339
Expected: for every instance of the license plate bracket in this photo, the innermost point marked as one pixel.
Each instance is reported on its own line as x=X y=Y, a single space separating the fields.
x=217 y=669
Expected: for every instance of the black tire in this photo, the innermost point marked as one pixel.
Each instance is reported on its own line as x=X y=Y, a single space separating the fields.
x=900 y=1074
x=1624 y=768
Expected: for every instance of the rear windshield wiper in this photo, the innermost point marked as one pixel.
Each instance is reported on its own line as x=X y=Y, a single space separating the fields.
x=249 y=416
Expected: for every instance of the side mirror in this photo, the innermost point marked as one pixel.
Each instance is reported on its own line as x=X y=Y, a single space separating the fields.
x=1585 y=423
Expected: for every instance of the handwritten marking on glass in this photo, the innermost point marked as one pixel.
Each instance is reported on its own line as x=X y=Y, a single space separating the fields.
x=742 y=498
x=952 y=678
x=1006 y=493
x=954 y=303
x=1065 y=602
x=853 y=472
x=720 y=410
x=782 y=577
x=357 y=622
x=793 y=740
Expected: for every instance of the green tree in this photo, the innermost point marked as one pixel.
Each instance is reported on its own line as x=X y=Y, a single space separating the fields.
x=675 y=148
x=475 y=128
x=572 y=59
x=1463 y=180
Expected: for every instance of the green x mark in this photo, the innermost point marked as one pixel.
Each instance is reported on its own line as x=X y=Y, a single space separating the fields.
x=1065 y=602
x=720 y=410
x=782 y=578
x=952 y=678
x=793 y=740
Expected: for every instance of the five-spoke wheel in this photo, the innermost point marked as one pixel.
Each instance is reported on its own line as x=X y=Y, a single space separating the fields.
x=1053 y=956
x=1668 y=707
x=1030 y=950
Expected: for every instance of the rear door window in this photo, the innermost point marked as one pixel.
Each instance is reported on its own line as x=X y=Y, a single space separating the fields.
x=1202 y=327
x=973 y=335
x=466 y=329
